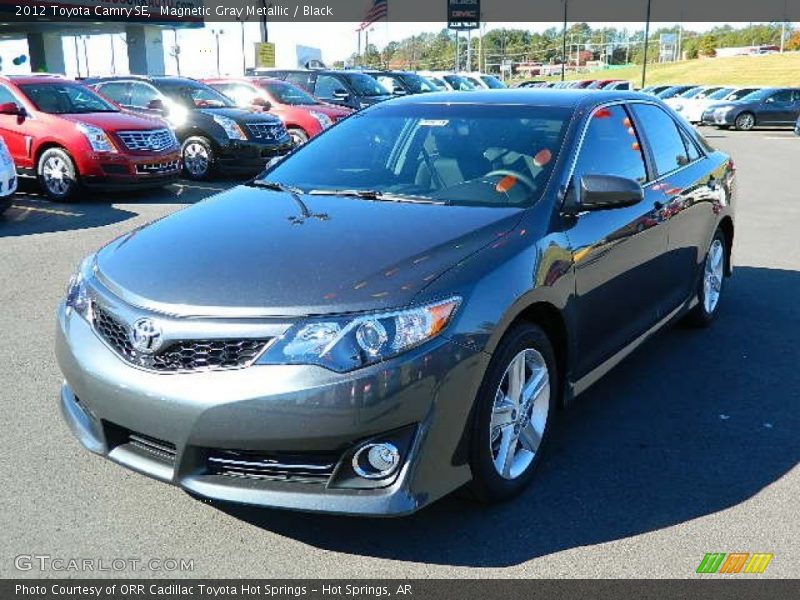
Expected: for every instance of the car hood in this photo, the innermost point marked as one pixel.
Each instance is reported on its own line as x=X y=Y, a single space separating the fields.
x=334 y=112
x=240 y=115
x=370 y=100
x=119 y=121
x=258 y=252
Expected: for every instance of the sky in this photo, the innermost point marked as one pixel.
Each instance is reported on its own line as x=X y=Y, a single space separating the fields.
x=107 y=54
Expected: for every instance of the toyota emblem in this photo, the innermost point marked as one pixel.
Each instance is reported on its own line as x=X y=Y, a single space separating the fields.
x=146 y=336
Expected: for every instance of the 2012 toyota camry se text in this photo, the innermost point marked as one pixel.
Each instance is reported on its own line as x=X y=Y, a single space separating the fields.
x=401 y=306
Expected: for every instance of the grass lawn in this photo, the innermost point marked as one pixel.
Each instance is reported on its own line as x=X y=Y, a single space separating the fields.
x=767 y=69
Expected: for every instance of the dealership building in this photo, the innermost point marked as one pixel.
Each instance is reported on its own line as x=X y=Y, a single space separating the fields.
x=143 y=29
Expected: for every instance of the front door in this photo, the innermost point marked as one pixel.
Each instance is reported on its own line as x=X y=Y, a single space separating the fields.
x=618 y=253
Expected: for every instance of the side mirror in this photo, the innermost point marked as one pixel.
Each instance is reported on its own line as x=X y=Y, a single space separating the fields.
x=398 y=91
x=11 y=108
x=600 y=192
x=340 y=94
x=156 y=104
x=262 y=102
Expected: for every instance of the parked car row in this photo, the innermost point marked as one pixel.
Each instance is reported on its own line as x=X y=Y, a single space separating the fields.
x=588 y=84
x=728 y=106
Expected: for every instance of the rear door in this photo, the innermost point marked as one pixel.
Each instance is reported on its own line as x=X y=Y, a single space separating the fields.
x=683 y=185
x=619 y=254
x=776 y=109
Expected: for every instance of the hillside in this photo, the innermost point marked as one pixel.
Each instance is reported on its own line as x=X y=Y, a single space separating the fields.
x=768 y=69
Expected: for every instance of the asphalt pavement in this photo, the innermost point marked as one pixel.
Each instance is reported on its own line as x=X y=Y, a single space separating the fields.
x=690 y=446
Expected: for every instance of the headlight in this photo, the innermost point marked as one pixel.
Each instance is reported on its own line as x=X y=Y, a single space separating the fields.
x=232 y=129
x=97 y=138
x=323 y=119
x=176 y=114
x=724 y=110
x=77 y=297
x=347 y=343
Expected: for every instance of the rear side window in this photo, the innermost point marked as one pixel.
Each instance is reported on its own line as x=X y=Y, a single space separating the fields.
x=611 y=146
x=666 y=142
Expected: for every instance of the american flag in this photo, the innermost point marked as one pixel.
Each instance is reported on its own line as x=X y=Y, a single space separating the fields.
x=379 y=10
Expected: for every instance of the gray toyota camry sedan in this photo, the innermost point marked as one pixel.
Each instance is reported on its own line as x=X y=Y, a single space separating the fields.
x=401 y=306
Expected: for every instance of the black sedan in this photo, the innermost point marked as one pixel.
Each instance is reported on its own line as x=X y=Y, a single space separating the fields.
x=215 y=135
x=400 y=306
x=764 y=107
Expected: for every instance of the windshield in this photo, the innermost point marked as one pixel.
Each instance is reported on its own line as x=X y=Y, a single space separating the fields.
x=364 y=85
x=671 y=92
x=286 y=93
x=65 y=98
x=194 y=94
x=459 y=83
x=493 y=82
x=693 y=93
x=437 y=82
x=417 y=84
x=739 y=94
x=457 y=154
x=719 y=94
x=755 y=95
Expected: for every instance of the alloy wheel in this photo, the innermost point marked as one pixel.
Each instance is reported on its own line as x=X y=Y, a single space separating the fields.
x=196 y=159
x=745 y=121
x=712 y=276
x=55 y=173
x=519 y=414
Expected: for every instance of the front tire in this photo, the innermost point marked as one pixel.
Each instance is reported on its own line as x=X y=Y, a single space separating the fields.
x=711 y=285
x=198 y=158
x=513 y=412
x=299 y=137
x=745 y=121
x=57 y=175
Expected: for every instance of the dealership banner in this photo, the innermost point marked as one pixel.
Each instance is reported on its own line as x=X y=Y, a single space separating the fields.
x=415 y=589
x=463 y=13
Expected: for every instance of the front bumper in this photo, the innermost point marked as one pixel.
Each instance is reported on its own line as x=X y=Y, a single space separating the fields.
x=123 y=171
x=248 y=156
x=711 y=117
x=275 y=409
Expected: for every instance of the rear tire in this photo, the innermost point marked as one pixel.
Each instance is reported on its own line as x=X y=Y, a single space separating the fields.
x=712 y=283
x=198 y=157
x=509 y=436
x=57 y=175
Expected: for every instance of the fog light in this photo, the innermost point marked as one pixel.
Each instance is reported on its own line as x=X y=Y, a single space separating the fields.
x=376 y=461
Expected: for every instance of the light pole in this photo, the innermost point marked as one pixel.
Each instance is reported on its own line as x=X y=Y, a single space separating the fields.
x=244 y=60
x=217 y=33
x=646 y=41
x=564 y=44
x=85 y=54
x=77 y=55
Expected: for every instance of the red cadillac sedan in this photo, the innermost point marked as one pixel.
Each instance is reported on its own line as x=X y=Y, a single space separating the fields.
x=303 y=114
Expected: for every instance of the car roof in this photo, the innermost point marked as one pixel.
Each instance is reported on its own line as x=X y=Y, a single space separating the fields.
x=23 y=79
x=566 y=97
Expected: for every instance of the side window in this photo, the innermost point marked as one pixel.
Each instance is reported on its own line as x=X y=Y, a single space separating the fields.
x=142 y=95
x=116 y=91
x=611 y=146
x=781 y=97
x=299 y=79
x=796 y=99
x=661 y=131
x=326 y=85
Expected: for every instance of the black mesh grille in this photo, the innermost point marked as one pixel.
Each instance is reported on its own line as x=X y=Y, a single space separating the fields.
x=267 y=131
x=296 y=468
x=181 y=355
x=164 y=451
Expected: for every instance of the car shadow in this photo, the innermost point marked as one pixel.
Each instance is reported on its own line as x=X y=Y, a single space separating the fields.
x=693 y=423
x=31 y=212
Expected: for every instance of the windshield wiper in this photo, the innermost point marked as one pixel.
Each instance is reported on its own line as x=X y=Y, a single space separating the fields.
x=377 y=195
x=278 y=187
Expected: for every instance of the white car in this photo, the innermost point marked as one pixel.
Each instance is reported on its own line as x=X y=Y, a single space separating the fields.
x=447 y=81
x=8 y=176
x=692 y=109
x=484 y=81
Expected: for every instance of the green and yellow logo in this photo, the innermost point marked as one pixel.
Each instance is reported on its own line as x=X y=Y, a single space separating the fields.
x=735 y=562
